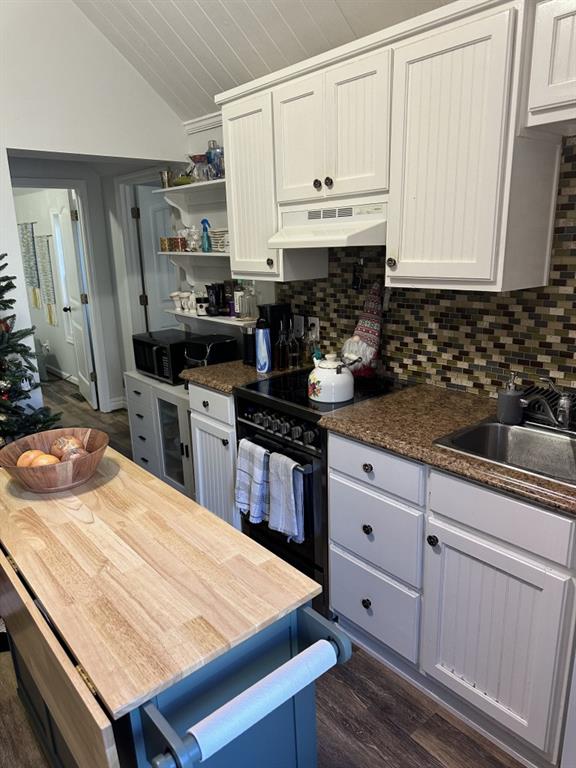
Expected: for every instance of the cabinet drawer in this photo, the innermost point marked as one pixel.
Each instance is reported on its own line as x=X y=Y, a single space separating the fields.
x=146 y=458
x=214 y=404
x=540 y=532
x=139 y=399
x=377 y=528
x=377 y=468
x=379 y=605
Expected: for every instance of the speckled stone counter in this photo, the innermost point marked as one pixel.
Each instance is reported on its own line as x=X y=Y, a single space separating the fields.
x=408 y=422
x=225 y=376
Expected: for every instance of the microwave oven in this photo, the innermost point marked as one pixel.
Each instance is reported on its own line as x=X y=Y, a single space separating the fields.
x=161 y=354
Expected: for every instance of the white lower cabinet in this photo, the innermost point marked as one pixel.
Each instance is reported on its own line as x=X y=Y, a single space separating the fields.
x=214 y=450
x=495 y=630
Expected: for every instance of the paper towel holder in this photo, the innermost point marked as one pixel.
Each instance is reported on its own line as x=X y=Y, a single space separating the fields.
x=166 y=749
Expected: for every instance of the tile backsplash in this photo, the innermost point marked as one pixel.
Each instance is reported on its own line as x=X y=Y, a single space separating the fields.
x=465 y=340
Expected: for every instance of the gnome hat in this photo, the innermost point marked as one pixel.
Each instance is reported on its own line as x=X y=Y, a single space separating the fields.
x=369 y=323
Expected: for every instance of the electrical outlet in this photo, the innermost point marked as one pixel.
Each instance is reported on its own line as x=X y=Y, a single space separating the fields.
x=313 y=327
x=299 y=325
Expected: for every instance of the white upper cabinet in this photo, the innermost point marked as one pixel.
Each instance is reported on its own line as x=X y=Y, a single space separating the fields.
x=331 y=131
x=553 y=77
x=448 y=130
x=252 y=214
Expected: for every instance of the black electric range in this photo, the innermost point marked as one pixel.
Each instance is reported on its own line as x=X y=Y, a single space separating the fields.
x=277 y=414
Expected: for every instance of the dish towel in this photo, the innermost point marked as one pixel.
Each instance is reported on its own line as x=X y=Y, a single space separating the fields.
x=286 y=498
x=252 y=492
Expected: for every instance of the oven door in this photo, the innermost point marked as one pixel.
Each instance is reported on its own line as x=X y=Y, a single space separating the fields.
x=310 y=557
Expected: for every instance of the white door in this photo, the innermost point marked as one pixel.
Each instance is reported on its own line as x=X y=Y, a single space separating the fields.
x=251 y=199
x=449 y=108
x=358 y=125
x=553 y=77
x=299 y=134
x=77 y=288
x=494 y=631
x=160 y=274
x=214 y=451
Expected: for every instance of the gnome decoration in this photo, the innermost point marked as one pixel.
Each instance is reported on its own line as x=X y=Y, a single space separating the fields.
x=365 y=343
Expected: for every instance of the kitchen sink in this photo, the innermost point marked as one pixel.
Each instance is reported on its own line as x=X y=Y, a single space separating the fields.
x=541 y=451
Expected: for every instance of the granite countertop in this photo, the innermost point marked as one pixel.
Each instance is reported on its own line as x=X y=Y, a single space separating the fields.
x=408 y=422
x=224 y=377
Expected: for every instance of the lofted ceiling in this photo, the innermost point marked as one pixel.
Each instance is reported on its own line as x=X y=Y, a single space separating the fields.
x=190 y=50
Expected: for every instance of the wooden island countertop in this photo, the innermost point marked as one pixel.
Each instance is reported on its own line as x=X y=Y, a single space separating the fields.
x=143 y=585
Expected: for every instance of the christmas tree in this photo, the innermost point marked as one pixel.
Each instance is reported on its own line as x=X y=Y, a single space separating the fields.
x=17 y=373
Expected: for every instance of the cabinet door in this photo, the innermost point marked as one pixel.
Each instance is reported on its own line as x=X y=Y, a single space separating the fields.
x=495 y=630
x=214 y=451
x=358 y=124
x=170 y=443
x=553 y=78
x=299 y=133
x=250 y=190
x=449 y=109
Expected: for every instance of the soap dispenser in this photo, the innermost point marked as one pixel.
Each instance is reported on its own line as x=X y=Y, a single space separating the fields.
x=510 y=409
x=206 y=239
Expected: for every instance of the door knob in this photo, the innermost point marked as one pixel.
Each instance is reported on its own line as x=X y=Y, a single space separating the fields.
x=432 y=540
x=367 y=468
x=329 y=182
x=366 y=603
x=66 y=309
x=317 y=184
x=367 y=529
x=392 y=263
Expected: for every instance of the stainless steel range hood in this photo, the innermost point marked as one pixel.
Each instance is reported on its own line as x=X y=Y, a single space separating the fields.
x=330 y=226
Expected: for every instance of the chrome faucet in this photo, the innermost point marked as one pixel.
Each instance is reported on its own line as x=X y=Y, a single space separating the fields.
x=562 y=419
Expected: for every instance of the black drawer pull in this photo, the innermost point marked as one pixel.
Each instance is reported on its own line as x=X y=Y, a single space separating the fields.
x=366 y=603
x=432 y=540
x=139 y=415
x=137 y=392
x=225 y=443
x=205 y=403
x=367 y=529
x=367 y=468
x=181 y=449
x=141 y=437
x=187 y=451
x=143 y=459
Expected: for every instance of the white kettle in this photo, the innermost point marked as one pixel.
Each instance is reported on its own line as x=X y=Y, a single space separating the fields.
x=330 y=381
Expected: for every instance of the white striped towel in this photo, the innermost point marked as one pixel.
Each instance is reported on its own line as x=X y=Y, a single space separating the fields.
x=286 y=498
x=252 y=493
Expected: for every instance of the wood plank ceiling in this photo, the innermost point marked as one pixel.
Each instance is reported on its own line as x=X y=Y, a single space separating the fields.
x=189 y=50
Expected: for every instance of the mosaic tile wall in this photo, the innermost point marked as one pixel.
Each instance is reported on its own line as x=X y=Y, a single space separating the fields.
x=464 y=340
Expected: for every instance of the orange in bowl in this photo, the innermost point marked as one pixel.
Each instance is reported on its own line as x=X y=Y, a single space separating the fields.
x=44 y=460
x=26 y=458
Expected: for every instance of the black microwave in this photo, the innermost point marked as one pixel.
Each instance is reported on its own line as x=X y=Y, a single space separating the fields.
x=161 y=354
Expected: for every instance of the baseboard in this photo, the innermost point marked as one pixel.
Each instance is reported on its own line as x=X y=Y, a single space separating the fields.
x=63 y=375
x=115 y=404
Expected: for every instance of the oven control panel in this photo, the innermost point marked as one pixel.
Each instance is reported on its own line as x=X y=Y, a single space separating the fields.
x=281 y=425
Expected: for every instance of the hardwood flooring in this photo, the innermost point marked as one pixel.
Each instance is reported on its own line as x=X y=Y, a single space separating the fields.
x=368 y=717
x=60 y=396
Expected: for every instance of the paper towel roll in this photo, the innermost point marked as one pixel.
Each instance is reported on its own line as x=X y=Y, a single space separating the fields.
x=245 y=710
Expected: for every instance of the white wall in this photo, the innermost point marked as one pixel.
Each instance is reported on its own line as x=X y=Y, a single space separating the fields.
x=38 y=205
x=64 y=88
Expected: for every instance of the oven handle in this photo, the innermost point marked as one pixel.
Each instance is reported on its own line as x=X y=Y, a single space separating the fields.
x=304 y=469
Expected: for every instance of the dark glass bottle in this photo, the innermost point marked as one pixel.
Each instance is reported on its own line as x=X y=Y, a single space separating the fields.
x=281 y=350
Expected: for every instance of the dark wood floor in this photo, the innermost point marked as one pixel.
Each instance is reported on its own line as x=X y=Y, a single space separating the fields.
x=60 y=396
x=367 y=718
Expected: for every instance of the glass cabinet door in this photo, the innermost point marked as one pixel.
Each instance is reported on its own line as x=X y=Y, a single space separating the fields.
x=171 y=444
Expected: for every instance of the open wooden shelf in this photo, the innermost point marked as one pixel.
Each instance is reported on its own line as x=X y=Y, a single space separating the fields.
x=209 y=254
x=224 y=320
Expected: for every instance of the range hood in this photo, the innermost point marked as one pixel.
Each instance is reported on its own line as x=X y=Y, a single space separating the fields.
x=331 y=226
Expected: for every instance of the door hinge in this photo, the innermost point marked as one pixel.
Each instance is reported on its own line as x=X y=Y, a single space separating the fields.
x=83 y=298
x=93 y=376
x=143 y=299
x=135 y=212
x=86 y=678
x=12 y=562
x=74 y=215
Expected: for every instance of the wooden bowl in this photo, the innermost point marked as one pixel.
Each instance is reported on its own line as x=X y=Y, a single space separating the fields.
x=55 y=477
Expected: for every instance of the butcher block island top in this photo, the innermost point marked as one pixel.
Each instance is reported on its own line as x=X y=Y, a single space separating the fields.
x=143 y=585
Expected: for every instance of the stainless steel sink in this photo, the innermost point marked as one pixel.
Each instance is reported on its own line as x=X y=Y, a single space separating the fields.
x=547 y=452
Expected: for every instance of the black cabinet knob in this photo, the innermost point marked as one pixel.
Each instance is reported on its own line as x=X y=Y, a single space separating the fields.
x=432 y=540
x=317 y=184
x=66 y=309
x=329 y=182
x=391 y=262
x=366 y=603
x=367 y=529
x=205 y=403
x=367 y=468
x=225 y=443
x=270 y=262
